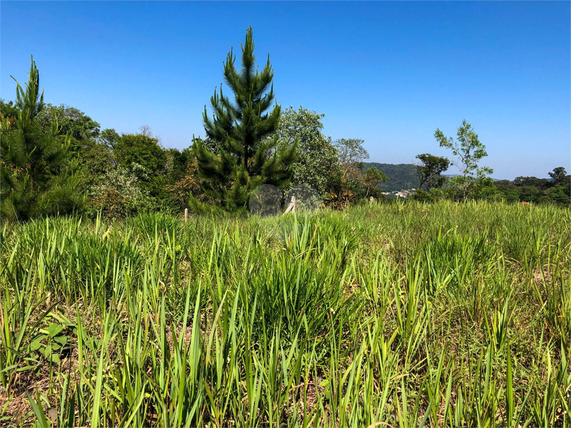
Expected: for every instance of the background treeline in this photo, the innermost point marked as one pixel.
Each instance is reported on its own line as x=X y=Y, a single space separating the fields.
x=56 y=159
x=538 y=190
x=555 y=189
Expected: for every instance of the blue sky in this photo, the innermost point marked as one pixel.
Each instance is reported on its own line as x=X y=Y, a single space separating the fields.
x=389 y=73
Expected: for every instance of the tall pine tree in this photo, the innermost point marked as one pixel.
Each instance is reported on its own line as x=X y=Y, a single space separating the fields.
x=237 y=157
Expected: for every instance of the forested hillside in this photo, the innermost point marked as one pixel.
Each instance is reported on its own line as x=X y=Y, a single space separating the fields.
x=401 y=176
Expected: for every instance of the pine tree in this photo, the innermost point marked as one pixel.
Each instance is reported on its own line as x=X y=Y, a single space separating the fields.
x=236 y=157
x=37 y=176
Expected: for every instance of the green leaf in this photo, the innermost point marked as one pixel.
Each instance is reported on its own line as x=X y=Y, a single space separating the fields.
x=54 y=329
x=47 y=351
x=35 y=345
x=38 y=410
x=62 y=340
x=54 y=358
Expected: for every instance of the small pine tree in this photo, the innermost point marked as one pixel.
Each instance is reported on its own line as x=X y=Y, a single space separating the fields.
x=236 y=157
x=37 y=176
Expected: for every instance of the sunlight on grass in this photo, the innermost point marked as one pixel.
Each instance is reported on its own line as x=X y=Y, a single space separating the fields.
x=406 y=314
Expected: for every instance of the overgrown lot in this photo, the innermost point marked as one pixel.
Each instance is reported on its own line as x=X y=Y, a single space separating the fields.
x=395 y=315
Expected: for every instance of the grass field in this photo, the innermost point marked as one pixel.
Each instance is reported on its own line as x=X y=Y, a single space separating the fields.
x=384 y=315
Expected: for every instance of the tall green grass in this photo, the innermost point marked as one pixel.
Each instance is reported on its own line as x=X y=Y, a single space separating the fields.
x=402 y=314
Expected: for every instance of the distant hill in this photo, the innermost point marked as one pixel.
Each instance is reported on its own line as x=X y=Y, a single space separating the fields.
x=401 y=176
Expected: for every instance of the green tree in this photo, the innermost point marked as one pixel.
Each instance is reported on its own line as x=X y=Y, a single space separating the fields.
x=120 y=193
x=559 y=195
x=508 y=191
x=8 y=111
x=529 y=193
x=109 y=138
x=317 y=164
x=540 y=183
x=97 y=159
x=430 y=171
x=239 y=157
x=93 y=160
x=351 y=152
x=185 y=182
x=372 y=180
x=141 y=149
x=72 y=122
x=354 y=184
x=37 y=176
x=181 y=178
x=142 y=155
x=559 y=176
x=468 y=151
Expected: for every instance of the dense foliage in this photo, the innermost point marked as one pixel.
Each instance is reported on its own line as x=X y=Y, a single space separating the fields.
x=430 y=171
x=317 y=165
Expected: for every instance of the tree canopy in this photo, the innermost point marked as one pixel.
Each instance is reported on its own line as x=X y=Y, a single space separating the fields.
x=317 y=165
x=430 y=171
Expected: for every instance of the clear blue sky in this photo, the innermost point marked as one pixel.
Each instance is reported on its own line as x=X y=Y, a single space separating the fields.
x=389 y=73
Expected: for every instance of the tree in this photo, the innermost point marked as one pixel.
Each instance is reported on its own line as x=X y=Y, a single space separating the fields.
x=37 y=176
x=469 y=152
x=372 y=180
x=120 y=193
x=559 y=175
x=109 y=138
x=143 y=156
x=355 y=183
x=430 y=171
x=92 y=160
x=539 y=183
x=508 y=191
x=141 y=149
x=72 y=122
x=8 y=111
x=559 y=194
x=239 y=157
x=183 y=183
x=317 y=165
x=351 y=152
x=529 y=193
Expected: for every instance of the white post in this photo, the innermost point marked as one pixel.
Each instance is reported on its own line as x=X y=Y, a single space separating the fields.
x=291 y=206
x=185 y=214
